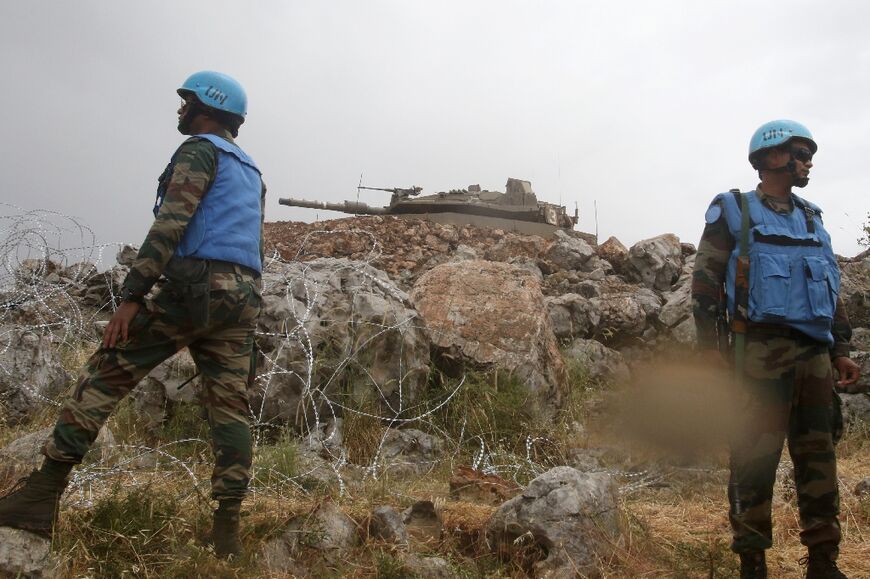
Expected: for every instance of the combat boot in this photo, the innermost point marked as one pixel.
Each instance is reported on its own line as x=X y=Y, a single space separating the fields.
x=33 y=503
x=225 y=532
x=753 y=565
x=822 y=563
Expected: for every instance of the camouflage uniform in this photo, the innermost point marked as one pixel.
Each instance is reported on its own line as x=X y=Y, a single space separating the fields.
x=787 y=393
x=221 y=347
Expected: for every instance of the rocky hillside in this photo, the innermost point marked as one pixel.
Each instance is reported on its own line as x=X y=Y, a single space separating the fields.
x=423 y=355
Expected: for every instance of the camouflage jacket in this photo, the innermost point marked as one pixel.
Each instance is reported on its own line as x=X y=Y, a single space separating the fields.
x=194 y=170
x=708 y=278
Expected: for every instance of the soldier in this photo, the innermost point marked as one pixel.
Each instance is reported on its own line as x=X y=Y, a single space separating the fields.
x=206 y=240
x=780 y=282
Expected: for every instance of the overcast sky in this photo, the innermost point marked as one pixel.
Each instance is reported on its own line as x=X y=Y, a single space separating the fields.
x=643 y=107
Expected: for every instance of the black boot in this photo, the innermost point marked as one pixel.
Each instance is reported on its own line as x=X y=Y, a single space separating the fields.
x=753 y=565
x=822 y=563
x=33 y=504
x=225 y=532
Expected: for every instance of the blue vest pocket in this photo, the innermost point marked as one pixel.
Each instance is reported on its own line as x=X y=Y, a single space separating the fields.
x=770 y=293
x=821 y=289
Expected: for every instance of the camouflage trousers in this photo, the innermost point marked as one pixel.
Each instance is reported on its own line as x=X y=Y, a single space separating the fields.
x=222 y=351
x=787 y=394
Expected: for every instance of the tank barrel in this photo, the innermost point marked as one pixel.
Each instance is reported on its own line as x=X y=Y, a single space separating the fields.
x=354 y=207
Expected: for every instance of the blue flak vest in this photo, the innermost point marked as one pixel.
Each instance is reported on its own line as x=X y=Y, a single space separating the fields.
x=794 y=279
x=226 y=224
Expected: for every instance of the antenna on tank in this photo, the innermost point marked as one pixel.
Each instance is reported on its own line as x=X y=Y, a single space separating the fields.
x=595 y=207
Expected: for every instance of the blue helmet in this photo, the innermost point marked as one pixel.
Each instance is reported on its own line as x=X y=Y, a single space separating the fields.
x=776 y=133
x=216 y=90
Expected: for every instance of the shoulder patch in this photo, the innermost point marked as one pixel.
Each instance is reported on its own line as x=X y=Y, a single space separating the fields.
x=714 y=212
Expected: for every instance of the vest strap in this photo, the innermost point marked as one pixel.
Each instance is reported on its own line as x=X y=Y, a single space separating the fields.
x=741 y=289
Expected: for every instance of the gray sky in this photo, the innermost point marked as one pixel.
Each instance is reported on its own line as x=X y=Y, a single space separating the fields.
x=644 y=107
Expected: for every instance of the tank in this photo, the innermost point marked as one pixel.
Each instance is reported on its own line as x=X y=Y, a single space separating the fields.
x=517 y=209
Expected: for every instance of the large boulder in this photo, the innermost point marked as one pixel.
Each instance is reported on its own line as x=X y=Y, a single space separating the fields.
x=493 y=315
x=573 y=315
x=31 y=373
x=23 y=554
x=657 y=262
x=336 y=332
x=572 y=516
x=326 y=531
x=568 y=252
x=614 y=252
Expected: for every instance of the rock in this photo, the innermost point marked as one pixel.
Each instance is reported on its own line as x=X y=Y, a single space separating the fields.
x=327 y=530
x=35 y=271
x=103 y=288
x=127 y=255
x=856 y=408
x=464 y=253
x=685 y=332
x=863 y=487
x=423 y=522
x=861 y=339
x=572 y=516
x=573 y=315
x=470 y=485
x=493 y=315
x=276 y=557
x=513 y=246
x=529 y=265
x=409 y=450
x=657 y=262
x=568 y=252
x=600 y=362
x=27 y=450
x=855 y=289
x=428 y=567
x=30 y=372
x=336 y=327
x=326 y=440
x=688 y=249
x=678 y=306
x=387 y=525
x=623 y=316
x=615 y=253
x=24 y=554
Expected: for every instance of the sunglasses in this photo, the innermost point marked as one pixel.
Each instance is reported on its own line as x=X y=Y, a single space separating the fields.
x=801 y=154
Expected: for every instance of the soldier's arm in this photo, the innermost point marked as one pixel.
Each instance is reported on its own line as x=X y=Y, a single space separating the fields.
x=711 y=263
x=842 y=331
x=195 y=168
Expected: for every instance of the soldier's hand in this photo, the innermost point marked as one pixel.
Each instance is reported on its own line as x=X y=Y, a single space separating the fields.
x=119 y=325
x=849 y=371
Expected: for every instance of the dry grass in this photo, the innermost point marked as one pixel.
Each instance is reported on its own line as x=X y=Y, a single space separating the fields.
x=152 y=523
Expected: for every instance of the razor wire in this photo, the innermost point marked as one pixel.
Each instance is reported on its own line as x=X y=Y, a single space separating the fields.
x=56 y=291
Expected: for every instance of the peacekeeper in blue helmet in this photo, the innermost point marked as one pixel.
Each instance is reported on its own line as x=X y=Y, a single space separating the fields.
x=207 y=241
x=767 y=281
